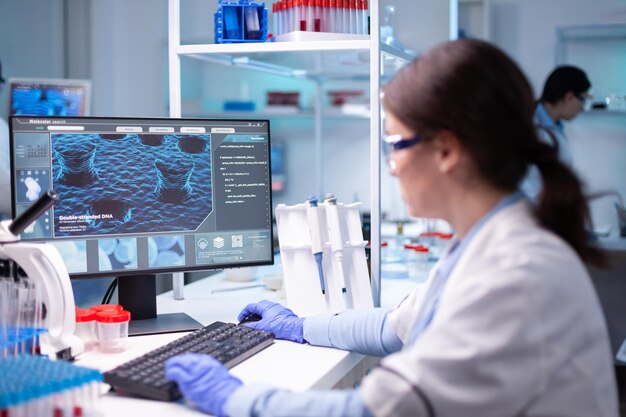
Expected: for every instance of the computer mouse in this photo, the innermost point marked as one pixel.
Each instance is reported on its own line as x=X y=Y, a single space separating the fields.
x=251 y=317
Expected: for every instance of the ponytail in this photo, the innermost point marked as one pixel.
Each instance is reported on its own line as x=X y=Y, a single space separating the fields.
x=562 y=207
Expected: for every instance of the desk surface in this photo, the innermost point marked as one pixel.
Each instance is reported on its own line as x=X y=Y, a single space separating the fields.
x=284 y=364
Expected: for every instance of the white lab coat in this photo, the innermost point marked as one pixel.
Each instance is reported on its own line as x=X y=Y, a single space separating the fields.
x=518 y=332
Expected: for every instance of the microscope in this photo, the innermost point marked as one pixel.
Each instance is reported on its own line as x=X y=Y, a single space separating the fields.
x=42 y=264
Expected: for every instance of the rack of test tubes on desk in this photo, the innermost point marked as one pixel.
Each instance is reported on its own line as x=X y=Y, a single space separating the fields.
x=32 y=385
x=35 y=386
x=21 y=320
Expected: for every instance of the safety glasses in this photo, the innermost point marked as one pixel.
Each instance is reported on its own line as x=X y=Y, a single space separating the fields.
x=393 y=143
x=584 y=97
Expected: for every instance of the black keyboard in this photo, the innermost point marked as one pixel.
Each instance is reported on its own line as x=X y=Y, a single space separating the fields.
x=228 y=343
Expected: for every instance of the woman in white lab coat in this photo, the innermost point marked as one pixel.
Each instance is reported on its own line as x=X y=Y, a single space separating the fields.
x=510 y=324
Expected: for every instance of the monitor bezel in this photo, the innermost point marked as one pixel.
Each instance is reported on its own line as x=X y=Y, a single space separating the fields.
x=154 y=271
x=62 y=82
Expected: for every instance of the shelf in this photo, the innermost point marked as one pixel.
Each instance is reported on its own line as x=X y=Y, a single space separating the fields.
x=591 y=32
x=317 y=60
x=262 y=114
x=604 y=113
x=273 y=47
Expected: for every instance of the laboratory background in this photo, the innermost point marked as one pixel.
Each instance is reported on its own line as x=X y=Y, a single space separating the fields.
x=320 y=125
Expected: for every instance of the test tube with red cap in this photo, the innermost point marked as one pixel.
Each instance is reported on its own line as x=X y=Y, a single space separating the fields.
x=309 y=13
x=345 y=16
x=354 y=16
x=326 y=16
x=288 y=17
x=274 y=23
x=317 y=16
x=364 y=13
x=301 y=15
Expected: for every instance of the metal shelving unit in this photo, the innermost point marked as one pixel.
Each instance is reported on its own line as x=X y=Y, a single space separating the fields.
x=568 y=35
x=364 y=59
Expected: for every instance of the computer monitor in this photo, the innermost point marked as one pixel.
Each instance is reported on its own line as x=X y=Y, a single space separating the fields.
x=49 y=97
x=141 y=196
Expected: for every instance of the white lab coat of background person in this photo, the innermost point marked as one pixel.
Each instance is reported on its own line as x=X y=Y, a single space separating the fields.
x=505 y=340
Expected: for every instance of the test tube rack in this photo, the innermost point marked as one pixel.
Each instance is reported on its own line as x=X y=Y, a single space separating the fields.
x=240 y=21
x=37 y=386
x=19 y=340
x=301 y=278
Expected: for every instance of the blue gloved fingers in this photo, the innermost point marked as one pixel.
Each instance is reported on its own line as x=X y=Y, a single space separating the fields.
x=187 y=367
x=202 y=380
x=256 y=325
x=182 y=365
x=247 y=310
x=176 y=373
x=256 y=308
x=276 y=319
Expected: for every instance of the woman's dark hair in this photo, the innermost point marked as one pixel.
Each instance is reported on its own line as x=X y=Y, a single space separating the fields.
x=474 y=90
x=562 y=80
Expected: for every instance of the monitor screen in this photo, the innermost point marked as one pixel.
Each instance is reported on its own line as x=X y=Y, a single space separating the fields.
x=141 y=195
x=51 y=97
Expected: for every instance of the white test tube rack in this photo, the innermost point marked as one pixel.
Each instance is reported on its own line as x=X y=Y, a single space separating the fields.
x=301 y=278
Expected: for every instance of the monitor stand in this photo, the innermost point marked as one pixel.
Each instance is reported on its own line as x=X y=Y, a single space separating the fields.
x=137 y=293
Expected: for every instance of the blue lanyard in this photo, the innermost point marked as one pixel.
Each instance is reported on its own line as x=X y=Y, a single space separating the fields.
x=446 y=265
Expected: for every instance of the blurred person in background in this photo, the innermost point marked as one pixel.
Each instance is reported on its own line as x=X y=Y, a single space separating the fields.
x=564 y=95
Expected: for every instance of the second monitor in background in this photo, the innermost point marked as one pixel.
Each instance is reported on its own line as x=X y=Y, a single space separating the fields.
x=49 y=97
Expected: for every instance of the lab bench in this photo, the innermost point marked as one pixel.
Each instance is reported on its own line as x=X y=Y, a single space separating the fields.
x=289 y=365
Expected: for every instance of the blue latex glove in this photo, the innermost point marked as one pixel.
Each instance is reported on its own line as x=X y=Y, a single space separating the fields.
x=275 y=319
x=202 y=380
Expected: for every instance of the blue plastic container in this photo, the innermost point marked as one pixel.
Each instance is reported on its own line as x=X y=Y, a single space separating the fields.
x=240 y=21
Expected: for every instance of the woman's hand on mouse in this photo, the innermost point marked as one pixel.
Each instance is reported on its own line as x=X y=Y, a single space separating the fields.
x=274 y=319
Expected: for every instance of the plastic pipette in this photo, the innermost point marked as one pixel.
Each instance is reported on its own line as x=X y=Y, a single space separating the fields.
x=316 y=238
x=336 y=243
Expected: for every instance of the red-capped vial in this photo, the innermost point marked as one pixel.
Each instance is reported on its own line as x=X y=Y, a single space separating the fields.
x=103 y=307
x=365 y=30
x=85 y=327
x=317 y=16
x=112 y=330
x=326 y=16
x=335 y=16
x=419 y=263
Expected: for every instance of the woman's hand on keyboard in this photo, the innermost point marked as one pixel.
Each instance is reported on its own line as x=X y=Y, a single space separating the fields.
x=202 y=380
x=274 y=319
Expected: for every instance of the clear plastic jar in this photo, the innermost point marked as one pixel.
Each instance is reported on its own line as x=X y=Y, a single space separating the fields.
x=418 y=262
x=442 y=241
x=112 y=330
x=393 y=261
x=85 y=327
